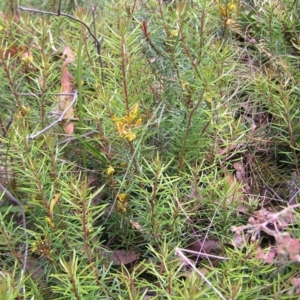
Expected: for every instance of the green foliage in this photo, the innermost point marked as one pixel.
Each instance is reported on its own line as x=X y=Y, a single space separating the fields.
x=186 y=124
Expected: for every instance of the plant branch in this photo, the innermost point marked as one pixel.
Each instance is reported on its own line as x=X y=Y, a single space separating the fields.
x=24 y=224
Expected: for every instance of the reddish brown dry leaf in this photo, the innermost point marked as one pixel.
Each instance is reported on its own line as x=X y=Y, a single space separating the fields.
x=68 y=55
x=67 y=86
x=240 y=171
x=124 y=257
x=8 y=18
x=69 y=128
x=136 y=225
x=207 y=246
x=12 y=51
x=152 y=60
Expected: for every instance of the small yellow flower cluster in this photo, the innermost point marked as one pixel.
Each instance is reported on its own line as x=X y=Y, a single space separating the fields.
x=50 y=222
x=23 y=112
x=35 y=246
x=122 y=202
x=174 y=33
x=126 y=125
x=27 y=58
x=231 y=6
x=110 y=170
x=39 y=246
x=225 y=11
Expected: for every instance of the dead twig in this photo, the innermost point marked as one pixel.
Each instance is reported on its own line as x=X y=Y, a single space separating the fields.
x=31 y=137
x=203 y=254
x=185 y=260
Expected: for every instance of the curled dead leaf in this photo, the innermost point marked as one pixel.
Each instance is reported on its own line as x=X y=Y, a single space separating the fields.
x=123 y=257
x=69 y=128
x=206 y=246
x=136 y=225
x=68 y=55
x=67 y=86
x=13 y=51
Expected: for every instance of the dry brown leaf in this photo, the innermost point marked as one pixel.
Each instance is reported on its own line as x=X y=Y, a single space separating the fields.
x=241 y=175
x=69 y=128
x=68 y=55
x=123 y=257
x=240 y=171
x=152 y=60
x=206 y=246
x=67 y=86
x=13 y=51
x=136 y=225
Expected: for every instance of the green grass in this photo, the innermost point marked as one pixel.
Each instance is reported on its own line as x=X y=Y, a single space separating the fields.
x=186 y=126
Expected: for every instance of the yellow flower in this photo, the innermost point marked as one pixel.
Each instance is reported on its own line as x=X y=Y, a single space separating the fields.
x=27 y=58
x=130 y=136
x=122 y=202
x=174 y=32
x=50 y=222
x=223 y=11
x=110 y=170
x=231 y=6
x=35 y=246
x=23 y=112
x=125 y=125
x=229 y=22
x=184 y=84
x=90 y=228
x=53 y=202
